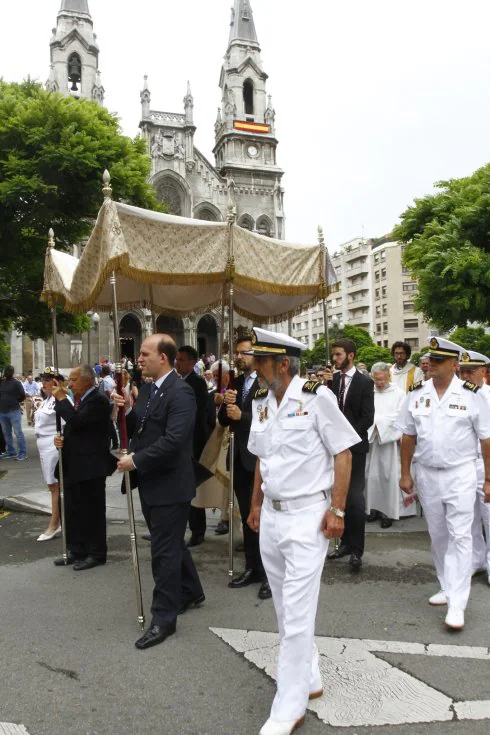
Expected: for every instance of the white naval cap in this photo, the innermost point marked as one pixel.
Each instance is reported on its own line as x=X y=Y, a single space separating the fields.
x=442 y=349
x=265 y=343
x=470 y=358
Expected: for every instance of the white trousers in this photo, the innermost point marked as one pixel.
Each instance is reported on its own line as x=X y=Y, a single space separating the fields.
x=481 y=547
x=448 y=500
x=293 y=551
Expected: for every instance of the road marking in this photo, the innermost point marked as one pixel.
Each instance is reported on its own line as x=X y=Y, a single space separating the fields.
x=362 y=689
x=8 y=728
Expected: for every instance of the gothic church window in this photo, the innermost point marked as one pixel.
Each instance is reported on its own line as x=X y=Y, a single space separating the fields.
x=248 y=97
x=169 y=194
x=74 y=73
x=246 y=222
x=264 y=226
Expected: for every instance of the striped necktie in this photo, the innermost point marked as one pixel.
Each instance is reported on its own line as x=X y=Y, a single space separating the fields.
x=342 y=392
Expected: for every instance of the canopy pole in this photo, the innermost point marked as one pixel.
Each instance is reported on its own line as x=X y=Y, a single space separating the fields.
x=231 y=493
x=153 y=315
x=61 y=482
x=323 y=267
x=107 y=191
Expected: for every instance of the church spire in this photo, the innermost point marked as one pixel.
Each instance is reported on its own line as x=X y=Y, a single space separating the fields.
x=80 y=7
x=242 y=23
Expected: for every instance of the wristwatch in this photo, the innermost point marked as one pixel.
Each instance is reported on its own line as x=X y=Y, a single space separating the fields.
x=337 y=512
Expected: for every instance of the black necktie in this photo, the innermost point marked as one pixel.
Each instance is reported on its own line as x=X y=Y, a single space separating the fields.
x=153 y=391
x=342 y=392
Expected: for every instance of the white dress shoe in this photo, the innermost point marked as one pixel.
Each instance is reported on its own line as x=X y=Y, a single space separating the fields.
x=49 y=536
x=273 y=727
x=438 y=599
x=455 y=618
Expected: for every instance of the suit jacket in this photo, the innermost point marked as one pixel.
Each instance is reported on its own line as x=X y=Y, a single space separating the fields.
x=86 y=453
x=242 y=427
x=201 y=431
x=163 y=446
x=358 y=407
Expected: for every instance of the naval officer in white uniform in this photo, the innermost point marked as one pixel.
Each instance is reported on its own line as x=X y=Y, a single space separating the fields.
x=301 y=440
x=442 y=420
x=473 y=367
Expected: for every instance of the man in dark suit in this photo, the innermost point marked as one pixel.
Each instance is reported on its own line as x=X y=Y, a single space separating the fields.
x=355 y=396
x=161 y=424
x=236 y=412
x=185 y=362
x=86 y=463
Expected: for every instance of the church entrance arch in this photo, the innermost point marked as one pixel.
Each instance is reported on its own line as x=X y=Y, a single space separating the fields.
x=173 y=326
x=207 y=335
x=130 y=336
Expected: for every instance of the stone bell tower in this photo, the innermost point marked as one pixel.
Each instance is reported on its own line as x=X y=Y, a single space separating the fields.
x=74 y=51
x=246 y=143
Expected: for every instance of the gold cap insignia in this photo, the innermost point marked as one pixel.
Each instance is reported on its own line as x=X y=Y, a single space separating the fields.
x=254 y=339
x=465 y=357
x=434 y=344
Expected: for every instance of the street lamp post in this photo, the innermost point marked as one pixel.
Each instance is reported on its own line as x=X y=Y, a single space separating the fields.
x=95 y=322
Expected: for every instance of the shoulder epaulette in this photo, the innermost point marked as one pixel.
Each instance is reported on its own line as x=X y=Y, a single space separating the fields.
x=471 y=386
x=416 y=386
x=261 y=393
x=311 y=386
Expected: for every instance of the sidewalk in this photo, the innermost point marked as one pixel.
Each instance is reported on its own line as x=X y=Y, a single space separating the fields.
x=22 y=489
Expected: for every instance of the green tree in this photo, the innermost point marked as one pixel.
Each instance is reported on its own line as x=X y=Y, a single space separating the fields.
x=317 y=355
x=4 y=352
x=448 y=250
x=472 y=338
x=373 y=353
x=53 y=150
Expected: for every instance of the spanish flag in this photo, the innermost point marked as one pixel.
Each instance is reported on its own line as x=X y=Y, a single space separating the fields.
x=250 y=127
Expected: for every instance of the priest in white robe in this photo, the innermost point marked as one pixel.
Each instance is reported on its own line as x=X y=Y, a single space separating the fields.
x=403 y=372
x=383 y=493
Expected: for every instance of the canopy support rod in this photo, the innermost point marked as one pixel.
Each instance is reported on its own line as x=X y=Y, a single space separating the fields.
x=61 y=482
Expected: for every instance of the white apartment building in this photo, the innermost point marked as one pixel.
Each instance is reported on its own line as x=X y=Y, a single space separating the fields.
x=375 y=292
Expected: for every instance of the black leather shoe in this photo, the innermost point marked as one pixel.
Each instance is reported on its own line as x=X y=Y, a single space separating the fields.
x=343 y=550
x=386 y=523
x=71 y=560
x=154 y=635
x=372 y=516
x=249 y=576
x=265 y=591
x=195 y=602
x=89 y=563
x=355 y=561
x=146 y=536
x=222 y=528
x=195 y=540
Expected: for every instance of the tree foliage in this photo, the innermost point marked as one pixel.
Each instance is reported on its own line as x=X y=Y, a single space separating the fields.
x=373 y=353
x=448 y=250
x=317 y=355
x=472 y=338
x=53 y=151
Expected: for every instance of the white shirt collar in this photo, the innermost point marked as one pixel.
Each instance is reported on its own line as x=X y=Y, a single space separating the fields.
x=350 y=373
x=160 y=380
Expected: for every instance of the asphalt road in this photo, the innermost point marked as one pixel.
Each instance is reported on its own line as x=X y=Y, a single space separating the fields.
x=69 y=665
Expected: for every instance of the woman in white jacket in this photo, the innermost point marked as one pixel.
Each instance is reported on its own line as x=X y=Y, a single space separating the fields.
x=45 y=430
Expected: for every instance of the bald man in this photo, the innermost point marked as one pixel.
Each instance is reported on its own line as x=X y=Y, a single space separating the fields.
x=162 y=427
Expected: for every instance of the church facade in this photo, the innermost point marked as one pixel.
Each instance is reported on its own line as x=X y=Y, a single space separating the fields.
x=245 y=171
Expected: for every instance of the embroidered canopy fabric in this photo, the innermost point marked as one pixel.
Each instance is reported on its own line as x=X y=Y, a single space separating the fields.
x=178 y=266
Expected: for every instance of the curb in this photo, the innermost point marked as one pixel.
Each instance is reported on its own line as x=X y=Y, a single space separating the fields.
x=23 y=506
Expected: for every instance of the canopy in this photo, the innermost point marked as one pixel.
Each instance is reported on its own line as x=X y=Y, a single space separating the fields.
x=178 y=266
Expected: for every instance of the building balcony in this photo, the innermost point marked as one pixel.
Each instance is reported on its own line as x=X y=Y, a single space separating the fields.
x=355 y=253
x=359 y=320
x=361 y=285
x=357 y=269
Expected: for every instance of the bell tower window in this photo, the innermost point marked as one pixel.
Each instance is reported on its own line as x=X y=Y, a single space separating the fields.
x=248 y=97
x=75 y=74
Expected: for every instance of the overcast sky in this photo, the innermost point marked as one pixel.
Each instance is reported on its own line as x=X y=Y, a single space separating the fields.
x=375 y=101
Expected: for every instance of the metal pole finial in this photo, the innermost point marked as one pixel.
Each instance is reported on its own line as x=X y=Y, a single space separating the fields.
x=321 y=237
x=231 y=213
x=51 y=242
x=107 y=188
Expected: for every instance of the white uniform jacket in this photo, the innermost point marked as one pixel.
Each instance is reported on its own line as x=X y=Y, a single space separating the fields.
x=446 y=429
x=297 y=440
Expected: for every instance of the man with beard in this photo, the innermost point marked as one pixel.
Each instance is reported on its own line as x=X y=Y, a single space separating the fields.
x=404 y=373
x=355 y=396
x=236 y=412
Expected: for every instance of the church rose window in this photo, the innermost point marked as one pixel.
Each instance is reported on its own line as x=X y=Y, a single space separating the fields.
x=169 y=194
